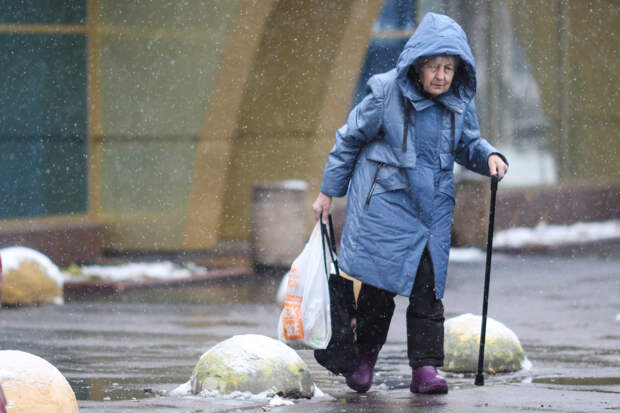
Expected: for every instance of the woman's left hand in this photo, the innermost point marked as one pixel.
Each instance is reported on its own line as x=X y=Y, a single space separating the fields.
x=497 y=166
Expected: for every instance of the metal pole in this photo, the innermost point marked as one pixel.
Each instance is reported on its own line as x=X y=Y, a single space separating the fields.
x=487 y=278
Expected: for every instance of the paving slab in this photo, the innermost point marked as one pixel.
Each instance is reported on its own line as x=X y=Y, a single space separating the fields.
x=126 y=354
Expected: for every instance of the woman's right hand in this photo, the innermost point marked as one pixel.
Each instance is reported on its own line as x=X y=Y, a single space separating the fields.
x=321 y=206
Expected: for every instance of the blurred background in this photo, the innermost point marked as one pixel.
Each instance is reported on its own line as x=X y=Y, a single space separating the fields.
x=138 y=127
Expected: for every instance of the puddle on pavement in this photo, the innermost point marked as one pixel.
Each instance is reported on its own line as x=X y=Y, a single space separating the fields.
x=579 y=381
x=108 y=389
x=241 y=298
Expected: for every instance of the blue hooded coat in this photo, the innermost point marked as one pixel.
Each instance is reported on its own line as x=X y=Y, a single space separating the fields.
x=395 y=157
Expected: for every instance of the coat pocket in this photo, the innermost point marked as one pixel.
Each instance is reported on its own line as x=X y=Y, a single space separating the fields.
x=386 y=178
x=446 y=177
x=446 y=161
x=391 y=178
x=381 y=151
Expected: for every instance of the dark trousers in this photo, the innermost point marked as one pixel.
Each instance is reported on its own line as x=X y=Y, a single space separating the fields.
x=425 y=318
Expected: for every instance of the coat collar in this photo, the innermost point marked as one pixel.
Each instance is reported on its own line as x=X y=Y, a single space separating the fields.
x=422 y=101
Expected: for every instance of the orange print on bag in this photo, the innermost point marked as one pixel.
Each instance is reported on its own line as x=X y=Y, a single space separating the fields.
x=293 y=278
x=291 y=319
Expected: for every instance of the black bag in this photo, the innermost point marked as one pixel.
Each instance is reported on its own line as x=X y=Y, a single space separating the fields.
x=341 y=354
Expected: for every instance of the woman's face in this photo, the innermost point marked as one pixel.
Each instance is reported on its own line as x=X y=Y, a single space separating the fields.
x=436 y=75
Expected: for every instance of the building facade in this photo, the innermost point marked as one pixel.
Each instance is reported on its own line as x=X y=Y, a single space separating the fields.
x=154 y=119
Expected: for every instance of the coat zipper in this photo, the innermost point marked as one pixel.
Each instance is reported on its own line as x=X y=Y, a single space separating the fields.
x=406 y=128
x=453 y=124
x=374 y=183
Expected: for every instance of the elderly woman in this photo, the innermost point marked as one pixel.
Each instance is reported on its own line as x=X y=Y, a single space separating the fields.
x=395 y=157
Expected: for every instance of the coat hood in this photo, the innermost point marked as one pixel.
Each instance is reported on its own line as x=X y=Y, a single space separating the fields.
x=439 y=35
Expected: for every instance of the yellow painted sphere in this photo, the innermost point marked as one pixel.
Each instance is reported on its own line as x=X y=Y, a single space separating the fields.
x=502 y=350
x=33 y=385
x=30 y=277
x=252 y=363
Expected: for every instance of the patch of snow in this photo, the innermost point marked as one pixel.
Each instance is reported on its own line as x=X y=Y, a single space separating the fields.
x=294 y=185
x=527 y=364
x=318 y=393
x=23 y=364
x=285 y=185
x=470 y=324
x=467 y=255
x=279 y=401
x=241 y=348
x=141 y=270
x=451 y=373
x=382 y=387
x=544 y=234
x=7 y=374
x=237 y=395
x=184 y=389
x=12 y=258
x=242 y=396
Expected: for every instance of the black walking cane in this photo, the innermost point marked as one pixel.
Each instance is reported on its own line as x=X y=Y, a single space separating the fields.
x=487 y=278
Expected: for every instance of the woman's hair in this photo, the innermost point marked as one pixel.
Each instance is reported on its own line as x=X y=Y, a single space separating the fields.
x=434 y=61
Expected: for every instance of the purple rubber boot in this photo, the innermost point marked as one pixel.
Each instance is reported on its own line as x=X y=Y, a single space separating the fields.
x=361 y=379
x=425 y=380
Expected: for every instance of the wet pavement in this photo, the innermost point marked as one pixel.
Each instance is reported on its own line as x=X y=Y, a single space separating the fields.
x=126 y=355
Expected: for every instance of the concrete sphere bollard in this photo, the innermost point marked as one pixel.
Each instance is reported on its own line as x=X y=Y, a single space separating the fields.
x=502 y=349
x=252 y=363
x=32 y=385
x=30 y=277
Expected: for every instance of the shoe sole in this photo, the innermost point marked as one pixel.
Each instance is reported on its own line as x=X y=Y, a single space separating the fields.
x=359 y=389
x=430 y=390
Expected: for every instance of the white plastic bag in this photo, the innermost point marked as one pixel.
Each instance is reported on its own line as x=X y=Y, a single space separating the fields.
x=305 y=320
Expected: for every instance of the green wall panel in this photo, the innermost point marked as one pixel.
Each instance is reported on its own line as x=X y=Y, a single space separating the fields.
x=159 y=61
x=165 y=14
x=150 y=176
x=43 y=144
x=156 y=86
x=43 y=11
